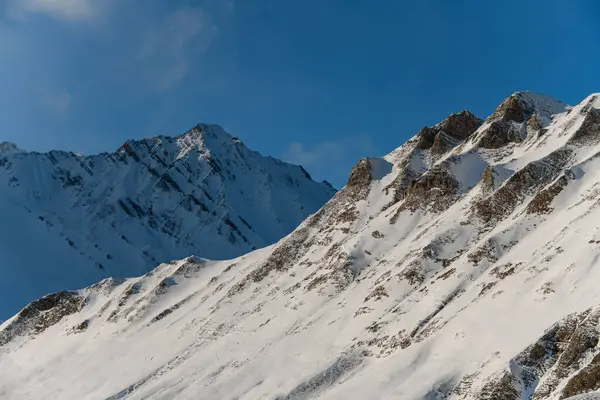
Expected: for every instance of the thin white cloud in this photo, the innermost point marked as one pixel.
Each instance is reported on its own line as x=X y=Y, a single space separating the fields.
x=167 y=50
x=66 y=10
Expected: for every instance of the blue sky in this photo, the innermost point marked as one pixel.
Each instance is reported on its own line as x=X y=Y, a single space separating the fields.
x=316 y=82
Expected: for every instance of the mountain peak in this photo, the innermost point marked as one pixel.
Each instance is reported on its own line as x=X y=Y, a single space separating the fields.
x=10 y=148
x=209 y=141
x=519 y=106
x=153 y=200
x=460 y=125
x=441 y=137
x=207 y=138
x=207 y=131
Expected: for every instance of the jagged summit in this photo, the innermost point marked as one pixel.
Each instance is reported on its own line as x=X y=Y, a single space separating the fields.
x=460 y=125
x=212 y=145
x=202 y=138
x=448 y=133
x=541 y=102
x=462 y=270
x=521 y=106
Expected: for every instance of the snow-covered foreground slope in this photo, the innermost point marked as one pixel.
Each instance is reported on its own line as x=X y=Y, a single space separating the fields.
x=70 y=220
x=463 y=265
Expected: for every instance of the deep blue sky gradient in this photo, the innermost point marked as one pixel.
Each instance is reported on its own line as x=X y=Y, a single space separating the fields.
x=316 y=82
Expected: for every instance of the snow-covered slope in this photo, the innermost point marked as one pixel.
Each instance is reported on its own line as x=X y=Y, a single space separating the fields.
x=70 y=220
x=463 y=265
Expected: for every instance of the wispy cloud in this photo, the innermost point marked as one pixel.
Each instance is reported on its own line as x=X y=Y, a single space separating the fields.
x=331 y=159
x=67 y=10
x=167 y=49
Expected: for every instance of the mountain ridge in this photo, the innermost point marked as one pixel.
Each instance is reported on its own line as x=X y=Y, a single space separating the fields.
x=462 y=265
x=150 y=201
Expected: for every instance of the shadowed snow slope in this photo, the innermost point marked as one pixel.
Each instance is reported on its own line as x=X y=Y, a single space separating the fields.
x=463 y=265
x=70 y=220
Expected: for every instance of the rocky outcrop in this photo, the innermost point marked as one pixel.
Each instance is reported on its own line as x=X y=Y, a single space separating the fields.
x=584 y=381
x=534 y=124
x=401 y=182
x=524 y=182
x=433 y=191
x=443 y=143
x=458 y=126
x=505 y=387
x=361 y=174
x=514 y=108
x=41 y=315
x=586 y=396
x=488 y=180
x=541 y=203
x=589 y=131
x=498 y=134
x=521 y=115
x=558 y=356
x=426 y=136
x=431 y=143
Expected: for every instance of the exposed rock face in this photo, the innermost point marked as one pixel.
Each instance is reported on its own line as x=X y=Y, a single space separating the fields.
x=426 y=137
x=42 y=314
x=503 y=388
x=586 y=380
x=498 y=134
x=534 y=124
x=401 y=182
x=557 y=357
x=513 y=108
x=542 y=200
x=589 y=132
x=434 y=187
x=520 y=116
x=361 y=174
x=430 y=143
x=522 y=183
x=487 y=180
x=458 y=126
x=586 y=396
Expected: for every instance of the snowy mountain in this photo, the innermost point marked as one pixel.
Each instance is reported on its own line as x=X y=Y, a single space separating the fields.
x=9 y=148
x=463 y=265
x=70 y=220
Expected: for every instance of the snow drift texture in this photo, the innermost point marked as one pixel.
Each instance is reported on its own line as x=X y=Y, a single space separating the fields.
x=463 y=265
x=70 y=220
